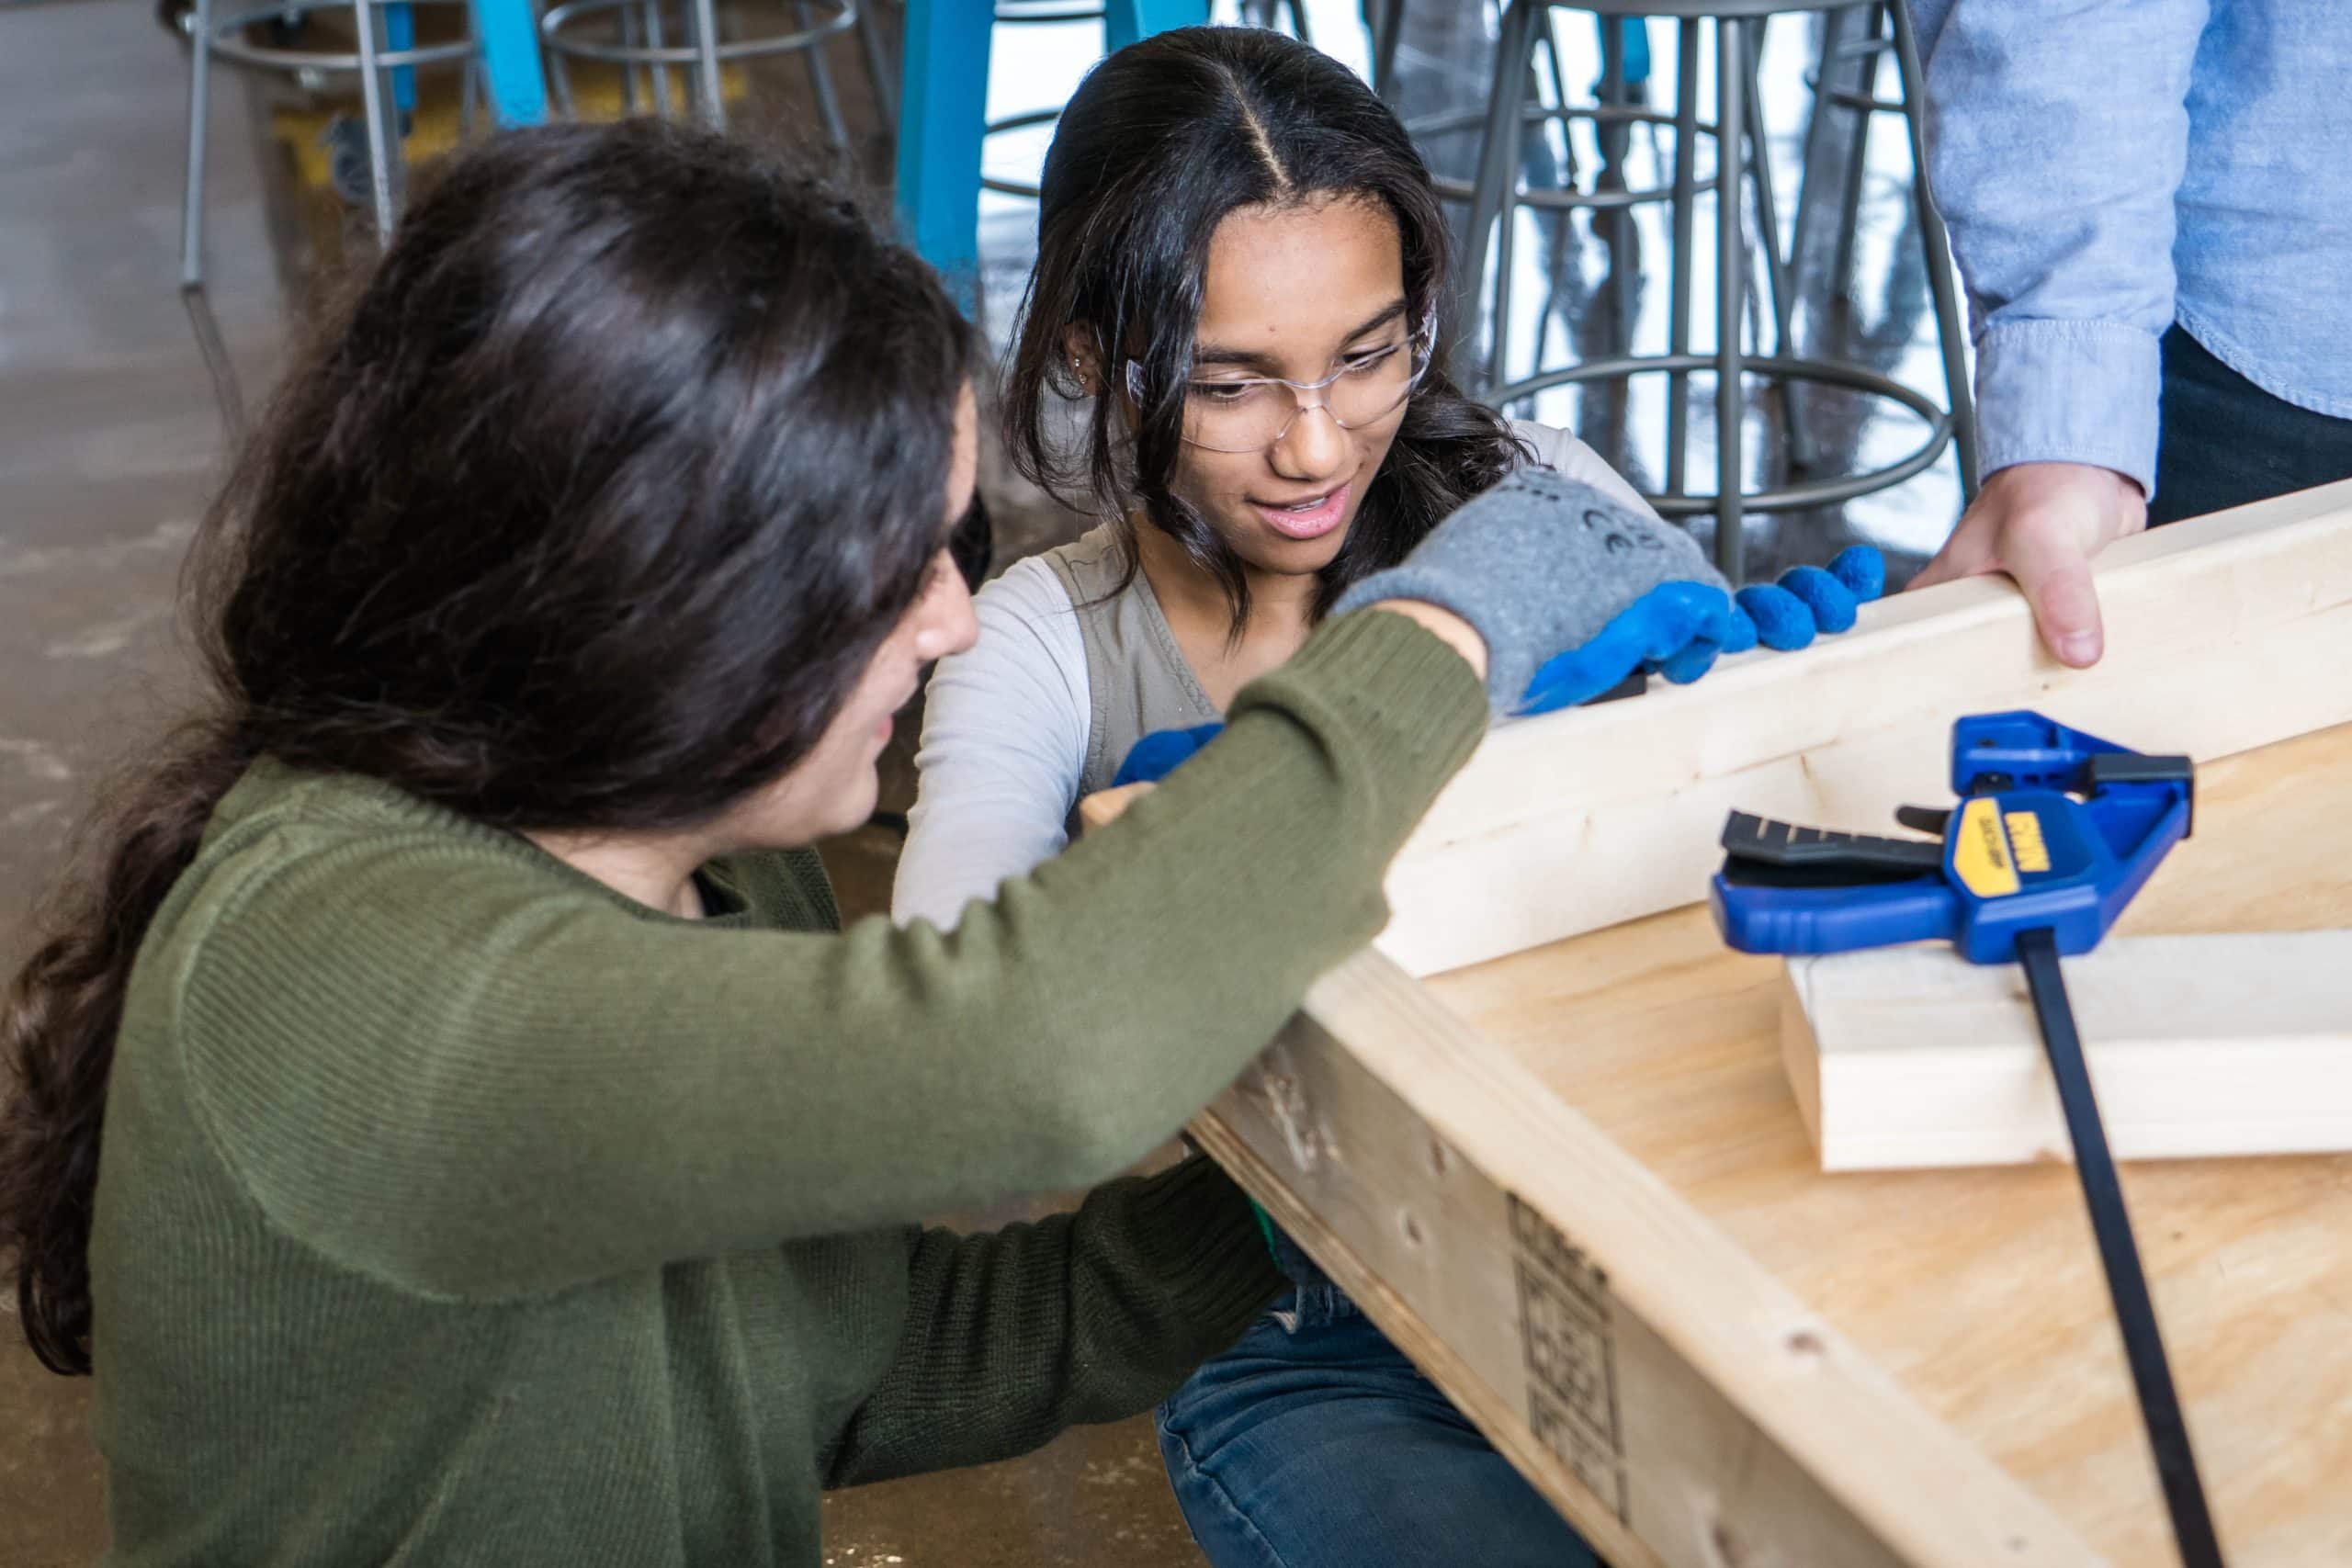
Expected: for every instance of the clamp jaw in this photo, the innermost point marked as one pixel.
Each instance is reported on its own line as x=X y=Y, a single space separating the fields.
x=2055 y=829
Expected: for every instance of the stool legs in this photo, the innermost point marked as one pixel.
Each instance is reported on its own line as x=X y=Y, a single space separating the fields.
x=1842 y=267
x=1491 y=205
x=1613 y=139
x=1817 y=129
x=1768 y=238
x=1950 y=328
x=507 y=45
x=1731 y=275
x=942 y=90
x=199 y=93
x=654 y=29
x=1685 y=202
x=1385 y=19
x=877 y=66
x=820 y=84
x=710 y=103
x=384 y=168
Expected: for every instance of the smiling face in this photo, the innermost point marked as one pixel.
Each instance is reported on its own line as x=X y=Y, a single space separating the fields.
x=1299 y=291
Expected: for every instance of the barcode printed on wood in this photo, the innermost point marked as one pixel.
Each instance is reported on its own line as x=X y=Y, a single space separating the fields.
x=1570 y=1353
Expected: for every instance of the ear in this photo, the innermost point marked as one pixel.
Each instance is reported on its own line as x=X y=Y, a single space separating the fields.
x=1081 y=359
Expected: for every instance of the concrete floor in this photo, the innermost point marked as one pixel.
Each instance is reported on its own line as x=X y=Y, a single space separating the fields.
x=110 y=440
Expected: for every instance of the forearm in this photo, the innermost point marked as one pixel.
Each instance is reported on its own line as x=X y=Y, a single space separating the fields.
x=2057 y=184
x=1004 y=735
x=1015 y=1335
x=616 y=1091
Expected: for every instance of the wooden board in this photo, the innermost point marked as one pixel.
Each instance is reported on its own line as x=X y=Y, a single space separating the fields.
x=2223 y=634
x=1678 y=1405
x=2198 y=1045
x=1978 y=1291
x=1574 y=1184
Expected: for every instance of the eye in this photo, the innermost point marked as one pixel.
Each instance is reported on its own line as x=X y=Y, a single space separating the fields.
x=1369 y=358
x=1224 y=394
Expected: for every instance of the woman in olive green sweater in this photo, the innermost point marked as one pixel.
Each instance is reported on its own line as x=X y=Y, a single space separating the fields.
x=449 y=1120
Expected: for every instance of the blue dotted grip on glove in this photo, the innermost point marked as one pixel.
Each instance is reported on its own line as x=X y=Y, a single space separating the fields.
x=1679 y=629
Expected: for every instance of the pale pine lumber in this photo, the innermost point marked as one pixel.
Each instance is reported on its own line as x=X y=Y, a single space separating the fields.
x=1678 y=1406
x=2198 y=1045
x=2223 y=634
x=1977 y=1290
x=1674 y=1403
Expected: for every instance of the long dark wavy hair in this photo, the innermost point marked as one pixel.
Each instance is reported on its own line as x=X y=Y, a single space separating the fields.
x=587 y=513
x=1161 y=141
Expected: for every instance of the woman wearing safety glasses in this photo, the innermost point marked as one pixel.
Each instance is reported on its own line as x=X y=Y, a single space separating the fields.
x=1240 y=264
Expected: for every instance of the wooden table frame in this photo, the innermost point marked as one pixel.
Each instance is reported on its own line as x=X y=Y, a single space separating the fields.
x=1567 y=1263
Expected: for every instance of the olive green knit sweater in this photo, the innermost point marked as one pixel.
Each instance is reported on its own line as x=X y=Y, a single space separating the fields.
x=454 y=1209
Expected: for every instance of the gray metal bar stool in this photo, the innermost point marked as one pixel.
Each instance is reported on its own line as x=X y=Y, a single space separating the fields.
x=279 y=47
x=1738 y=26
x=635 y=35
x=231 y=38
x=1855 y=41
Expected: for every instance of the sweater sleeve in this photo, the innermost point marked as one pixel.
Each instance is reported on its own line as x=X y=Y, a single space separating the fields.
x=1004 y=732
x=1012 y=1336
x=458 y=1074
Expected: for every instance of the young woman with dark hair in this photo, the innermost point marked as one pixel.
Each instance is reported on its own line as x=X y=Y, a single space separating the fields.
x=447 y=1117
x=1242 y=265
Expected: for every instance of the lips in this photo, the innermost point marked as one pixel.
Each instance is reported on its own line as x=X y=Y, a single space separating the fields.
x=1308 y=523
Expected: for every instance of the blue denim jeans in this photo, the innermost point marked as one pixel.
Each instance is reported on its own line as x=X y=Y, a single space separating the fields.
x=2222 y=441
x=1315 y=1443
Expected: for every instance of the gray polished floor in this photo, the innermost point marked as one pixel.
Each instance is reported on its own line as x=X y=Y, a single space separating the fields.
x=111 y=440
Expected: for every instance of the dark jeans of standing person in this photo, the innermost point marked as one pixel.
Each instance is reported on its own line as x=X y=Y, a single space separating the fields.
x=2222 y=441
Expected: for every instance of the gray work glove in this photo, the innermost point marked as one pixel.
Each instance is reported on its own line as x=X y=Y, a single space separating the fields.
x=1540 y=565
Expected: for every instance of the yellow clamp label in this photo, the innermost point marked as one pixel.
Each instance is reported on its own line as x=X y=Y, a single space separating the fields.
x=2024 y=839
x=1979 y=855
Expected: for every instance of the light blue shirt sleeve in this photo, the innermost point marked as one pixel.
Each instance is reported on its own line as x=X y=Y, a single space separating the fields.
x=1005 y=727
x=2057 y=137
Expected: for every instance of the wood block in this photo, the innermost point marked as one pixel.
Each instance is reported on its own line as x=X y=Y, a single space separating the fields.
x=2198 y=1045
x=1581 y=820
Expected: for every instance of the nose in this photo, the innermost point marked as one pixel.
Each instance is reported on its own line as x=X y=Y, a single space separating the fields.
x=946 y=623
x=1313 y=447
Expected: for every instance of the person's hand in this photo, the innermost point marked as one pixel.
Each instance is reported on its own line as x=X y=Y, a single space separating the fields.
x=1679 y=629
x=1105 y=806
x=2041 y=523
x=1536 y=566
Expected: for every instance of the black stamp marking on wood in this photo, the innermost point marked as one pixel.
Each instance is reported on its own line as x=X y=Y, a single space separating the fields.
x=1570 y=1348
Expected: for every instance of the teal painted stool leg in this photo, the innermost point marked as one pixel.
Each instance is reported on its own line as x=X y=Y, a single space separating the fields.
x=943 y=108
x=942 y=115
x=1124 y=21
x=399 y=35
x=507 y=38
x=1637 y=50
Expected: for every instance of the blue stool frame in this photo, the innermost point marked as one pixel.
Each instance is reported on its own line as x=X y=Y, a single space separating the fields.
x=507 y=37
x=944 y=93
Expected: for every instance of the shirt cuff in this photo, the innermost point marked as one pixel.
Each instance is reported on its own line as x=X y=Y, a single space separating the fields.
x=2069 y=392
